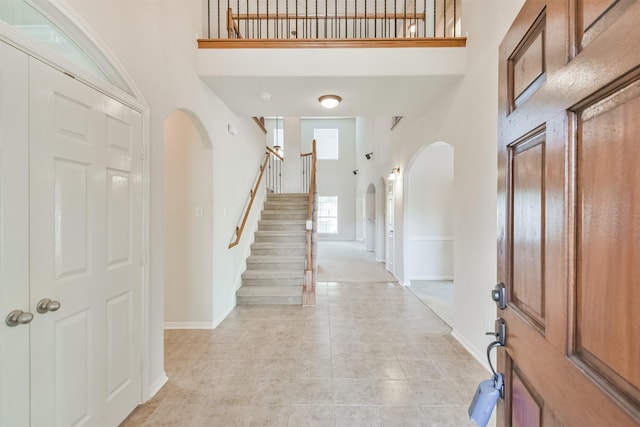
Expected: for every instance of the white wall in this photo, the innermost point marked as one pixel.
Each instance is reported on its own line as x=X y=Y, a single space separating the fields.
x=364 y=144
x=188 y=191
x=155 y=42
x=429 y=213
x=335 y=177
x=465 y=117
x=370 y=218
x=292 y=150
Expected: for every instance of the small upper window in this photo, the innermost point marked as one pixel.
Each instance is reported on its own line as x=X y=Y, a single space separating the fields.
x=278 y=138
x=326 y=143
x=62 y=37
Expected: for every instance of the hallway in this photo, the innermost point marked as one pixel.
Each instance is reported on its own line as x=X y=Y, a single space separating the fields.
x=368 y=354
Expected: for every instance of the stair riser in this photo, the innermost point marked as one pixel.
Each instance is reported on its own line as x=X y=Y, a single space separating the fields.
x=282 y=206
x=262 y=226
x=273 y=281
x=291 y=300
x=297 y=265
x=283 y=239
x=285 y=215
x=281 y=196
x=282 y=251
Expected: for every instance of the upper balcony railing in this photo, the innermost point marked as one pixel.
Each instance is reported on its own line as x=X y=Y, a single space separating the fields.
x=334 y=20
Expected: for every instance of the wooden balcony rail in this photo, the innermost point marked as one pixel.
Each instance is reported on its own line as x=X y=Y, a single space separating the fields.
x=333 y=20
x=311 y=259
x=270 y=156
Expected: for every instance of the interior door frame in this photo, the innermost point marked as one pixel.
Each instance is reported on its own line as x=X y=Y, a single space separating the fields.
x=389 y=227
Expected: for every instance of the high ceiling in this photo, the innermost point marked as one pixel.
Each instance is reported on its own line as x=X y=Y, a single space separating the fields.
x=298 y=96
x=371 y=82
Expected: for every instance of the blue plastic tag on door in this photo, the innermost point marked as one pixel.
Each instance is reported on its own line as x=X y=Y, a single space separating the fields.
x=485 y=399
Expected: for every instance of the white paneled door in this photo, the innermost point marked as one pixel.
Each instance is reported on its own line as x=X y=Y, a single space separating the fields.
x=14 y=236
x=84 y=239
x=390 y=226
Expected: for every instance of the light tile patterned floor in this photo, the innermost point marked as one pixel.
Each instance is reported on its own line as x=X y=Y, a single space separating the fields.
x=368 y=354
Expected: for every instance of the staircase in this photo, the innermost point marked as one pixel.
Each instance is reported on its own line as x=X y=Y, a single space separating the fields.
x=275 y=268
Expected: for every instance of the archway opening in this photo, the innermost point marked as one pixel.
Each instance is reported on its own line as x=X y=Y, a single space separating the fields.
x=430 y=227
x=380 y=224
x=188 y=224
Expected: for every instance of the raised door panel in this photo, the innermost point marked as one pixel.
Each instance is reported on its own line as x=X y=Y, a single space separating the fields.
x=608 y=240
x=527 y=63
x=74 y=370
x=527 y=212
x=14 y=235
x=594 y=17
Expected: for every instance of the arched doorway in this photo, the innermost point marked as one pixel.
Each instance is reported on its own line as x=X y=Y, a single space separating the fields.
x=429 y=227
x=370 y=217
x=381 y=201
x=188 y=225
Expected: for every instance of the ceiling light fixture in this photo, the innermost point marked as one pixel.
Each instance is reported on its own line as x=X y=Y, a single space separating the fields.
x=265 y=96
x=329 y=101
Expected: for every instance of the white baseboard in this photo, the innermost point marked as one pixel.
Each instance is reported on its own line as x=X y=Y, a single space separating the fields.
x=480 y=356
x=188 y=325
x=431 y=277
x=157 y=385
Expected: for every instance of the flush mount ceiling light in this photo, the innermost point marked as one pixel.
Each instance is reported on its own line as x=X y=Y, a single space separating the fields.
x=265 y=96
x=329 y=101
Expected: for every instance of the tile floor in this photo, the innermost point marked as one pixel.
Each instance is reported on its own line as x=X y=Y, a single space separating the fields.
x=437 y=295
x=368 y=354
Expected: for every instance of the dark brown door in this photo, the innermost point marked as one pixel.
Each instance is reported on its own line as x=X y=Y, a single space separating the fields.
x=569 y=214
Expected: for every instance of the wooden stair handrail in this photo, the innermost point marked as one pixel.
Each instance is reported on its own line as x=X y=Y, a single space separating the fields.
x=260 y=122
x=253 y=192
x=275 y=153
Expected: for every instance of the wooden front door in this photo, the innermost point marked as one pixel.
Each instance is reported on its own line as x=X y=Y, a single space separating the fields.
x=569 y=214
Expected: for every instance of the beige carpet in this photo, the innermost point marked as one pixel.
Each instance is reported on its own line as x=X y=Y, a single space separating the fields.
x=349 y=261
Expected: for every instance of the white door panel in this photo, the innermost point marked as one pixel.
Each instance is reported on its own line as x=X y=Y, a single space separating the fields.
x=14 y=235
x=390 y=220
x=85 y=232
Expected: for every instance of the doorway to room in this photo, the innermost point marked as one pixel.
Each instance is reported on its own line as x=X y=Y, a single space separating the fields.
x=188 y=225
x=429 y=218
